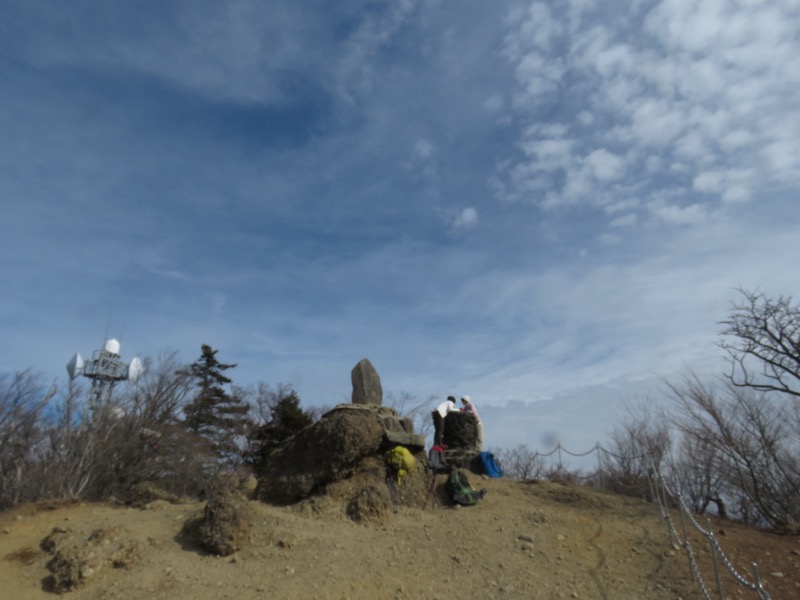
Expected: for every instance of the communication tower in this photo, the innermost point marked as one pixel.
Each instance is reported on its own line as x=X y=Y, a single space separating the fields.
x=105 y=369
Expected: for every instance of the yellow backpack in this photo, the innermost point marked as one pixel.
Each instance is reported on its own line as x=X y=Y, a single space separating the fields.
x=400 y=460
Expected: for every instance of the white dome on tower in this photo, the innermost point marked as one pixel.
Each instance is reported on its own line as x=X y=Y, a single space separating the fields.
x=112 y=346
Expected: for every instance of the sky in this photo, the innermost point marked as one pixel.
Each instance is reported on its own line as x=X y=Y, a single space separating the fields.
x=548 y=206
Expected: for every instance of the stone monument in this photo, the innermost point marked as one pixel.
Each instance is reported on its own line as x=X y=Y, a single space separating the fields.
x=366 y=384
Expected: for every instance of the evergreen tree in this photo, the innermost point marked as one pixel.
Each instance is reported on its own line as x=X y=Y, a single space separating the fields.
x=286 y=419
x=217 y=415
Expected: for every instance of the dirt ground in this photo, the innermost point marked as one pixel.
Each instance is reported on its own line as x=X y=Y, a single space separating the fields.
x=524 y=540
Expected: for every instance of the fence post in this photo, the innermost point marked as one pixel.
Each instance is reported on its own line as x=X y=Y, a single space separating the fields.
x=759 y=586
x=599 y=466
x=685 y=543
x=651 y=475
x=560 y=463
x=714 y=558
x=666 y=508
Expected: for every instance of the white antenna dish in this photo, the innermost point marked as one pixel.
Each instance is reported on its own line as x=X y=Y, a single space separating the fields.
x=135 y=369
x=75 y=366
x=105 y=369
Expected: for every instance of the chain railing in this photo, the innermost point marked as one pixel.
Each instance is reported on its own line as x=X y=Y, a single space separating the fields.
x=715 y=548
x=660 y=494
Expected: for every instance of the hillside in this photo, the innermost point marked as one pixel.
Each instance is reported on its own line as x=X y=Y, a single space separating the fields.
x=525 y=540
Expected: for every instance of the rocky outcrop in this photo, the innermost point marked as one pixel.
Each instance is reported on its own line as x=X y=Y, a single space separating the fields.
x=76 y=559
x=460 y=436
x=333 y=449
x=226 y=523
x=366 y=384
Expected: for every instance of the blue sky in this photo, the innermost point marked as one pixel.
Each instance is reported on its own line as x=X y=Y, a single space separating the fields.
x=519 y=201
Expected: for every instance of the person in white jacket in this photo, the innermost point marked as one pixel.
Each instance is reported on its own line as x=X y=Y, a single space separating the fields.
x=438 y=415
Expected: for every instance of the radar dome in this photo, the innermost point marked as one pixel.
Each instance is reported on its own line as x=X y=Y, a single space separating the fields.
x=112 y=346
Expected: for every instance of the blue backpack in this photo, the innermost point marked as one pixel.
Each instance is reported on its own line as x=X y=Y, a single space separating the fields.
x=488 y=465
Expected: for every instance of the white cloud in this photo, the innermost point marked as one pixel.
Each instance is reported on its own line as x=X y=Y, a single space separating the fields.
x=465 y=220
x=624 y=221
x=731 y=185
x=606 y=165
x=679 y=215
x=703 y=97
x=708 y=181
x=423 y=149
x=356 y=68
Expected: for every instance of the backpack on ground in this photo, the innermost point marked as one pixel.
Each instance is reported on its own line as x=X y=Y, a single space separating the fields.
x=487 y=464
x=461 y=491
x=436 y=461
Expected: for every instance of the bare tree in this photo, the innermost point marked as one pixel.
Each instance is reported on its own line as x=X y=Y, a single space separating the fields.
x=700 y=473
x=520 y=462
x=22 y=400
x=762 y=340
x=640 y=444
x=137 y=437
x=755 y=439
x=408 y=406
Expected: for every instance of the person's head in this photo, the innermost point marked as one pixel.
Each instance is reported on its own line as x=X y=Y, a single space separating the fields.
x=451 y=399
x=465 y=399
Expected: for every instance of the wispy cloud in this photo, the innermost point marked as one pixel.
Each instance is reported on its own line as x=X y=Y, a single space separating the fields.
x=708 y=88
x=512 y=200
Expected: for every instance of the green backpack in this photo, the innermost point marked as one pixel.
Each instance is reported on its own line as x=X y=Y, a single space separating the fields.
x=461 y=491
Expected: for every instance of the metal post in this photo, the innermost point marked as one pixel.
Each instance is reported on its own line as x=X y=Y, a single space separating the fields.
x=666 y=508
x=714 y=559
x=685 y=543
x=653 y=498
x=560 y=464
x=599 y=466
x=759 y=585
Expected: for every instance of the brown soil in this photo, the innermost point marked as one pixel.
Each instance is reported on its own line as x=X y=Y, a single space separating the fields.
x=525 y=540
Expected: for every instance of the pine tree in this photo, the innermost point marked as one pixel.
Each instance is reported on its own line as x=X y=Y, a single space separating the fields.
x=286 y=419
x=217 y=415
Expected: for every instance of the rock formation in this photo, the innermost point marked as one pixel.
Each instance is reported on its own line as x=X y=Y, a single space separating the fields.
x=333 y=449
x=343 y=456
x=226 y=523
x=460 y=435
x=366 y=384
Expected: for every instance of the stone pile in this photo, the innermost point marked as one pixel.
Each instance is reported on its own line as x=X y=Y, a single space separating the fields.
x=338 y=446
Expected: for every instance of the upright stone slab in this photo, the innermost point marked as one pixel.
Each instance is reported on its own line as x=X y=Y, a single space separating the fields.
x=366 y=384
x=460 y=430
x=460 y=436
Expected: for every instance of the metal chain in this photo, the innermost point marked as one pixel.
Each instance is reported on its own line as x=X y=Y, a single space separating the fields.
x=685 y=544
x=617 y=456
x=740 y=578
x=583 y=454
x=756 y=587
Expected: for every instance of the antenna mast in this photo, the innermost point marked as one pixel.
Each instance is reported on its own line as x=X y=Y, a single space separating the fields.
x=105 y=369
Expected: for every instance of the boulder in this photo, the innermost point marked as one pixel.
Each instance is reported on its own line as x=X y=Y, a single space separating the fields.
x=226 y=523
x=76 y=558
x=333 y=449
x=366 y=384
x=460 y=431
